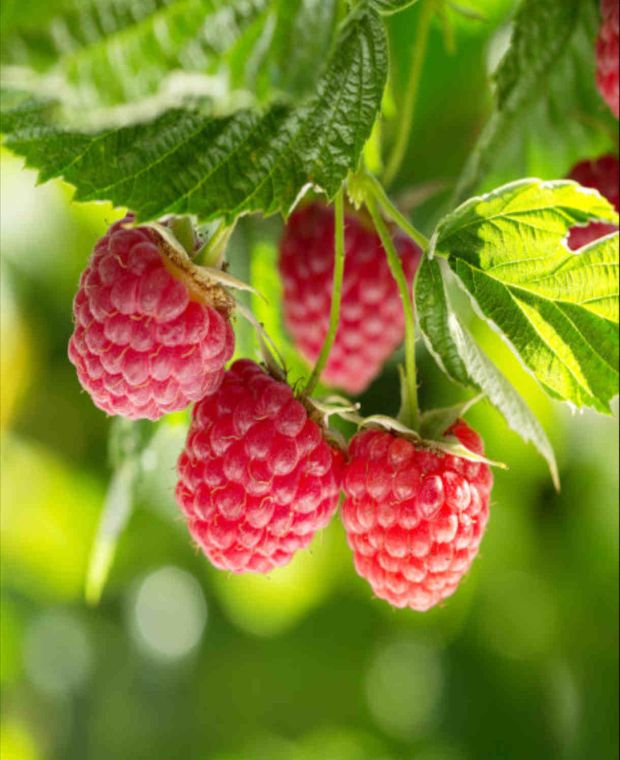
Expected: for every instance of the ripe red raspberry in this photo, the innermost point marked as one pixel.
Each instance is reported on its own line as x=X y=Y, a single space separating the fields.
x=414 y=518
x=607 y=54
x=372 y=323
x=603 y=175
x=256 y=477
x=150 y=337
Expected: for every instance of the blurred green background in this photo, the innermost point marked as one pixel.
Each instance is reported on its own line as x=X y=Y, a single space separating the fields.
x=179 y=660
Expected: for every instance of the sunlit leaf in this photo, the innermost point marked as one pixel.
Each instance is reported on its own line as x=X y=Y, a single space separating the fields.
x=558 y=308
x=458 y=354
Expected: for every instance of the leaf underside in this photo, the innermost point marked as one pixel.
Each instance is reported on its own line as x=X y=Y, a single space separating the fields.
x=463 y=361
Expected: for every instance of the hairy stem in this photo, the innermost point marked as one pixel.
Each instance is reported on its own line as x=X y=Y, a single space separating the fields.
x=213 y=251
x=390 y=210
x=334 y=314
x=409 y=413
x=413 y=83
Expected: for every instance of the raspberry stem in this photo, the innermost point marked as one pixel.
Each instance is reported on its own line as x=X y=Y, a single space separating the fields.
x=390 y=210
x=334 y=314
x=409 y=413
x=213 y=251
x=413 y=84
x=183 y=230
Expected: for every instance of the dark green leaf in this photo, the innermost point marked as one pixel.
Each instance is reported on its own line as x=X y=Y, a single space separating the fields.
x=303 y=35
x=122 y=53
x=187 y=161
x=545 y=96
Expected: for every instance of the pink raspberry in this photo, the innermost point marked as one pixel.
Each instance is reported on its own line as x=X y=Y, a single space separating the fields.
x=150 y=337
x=607 y=54
x=414 y=518
x=372 y=323
x=256 y=478
x=603 y=175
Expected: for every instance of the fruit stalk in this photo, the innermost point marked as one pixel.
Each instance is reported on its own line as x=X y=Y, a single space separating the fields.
x=409 y=413
x=334 y=313
x=390 y=210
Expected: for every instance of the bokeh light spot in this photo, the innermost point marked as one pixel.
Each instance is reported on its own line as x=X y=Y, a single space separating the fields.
x=519 y=616
x=272 y=604
x=169 y=614
x=403 y=687
x=57 y=653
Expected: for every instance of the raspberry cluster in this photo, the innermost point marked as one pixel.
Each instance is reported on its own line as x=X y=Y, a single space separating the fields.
x=603 y=175
x=258 y=476
x=607 y=49
x=414 y=518
x=257 y=479
x=372 y=322
x=147 y=341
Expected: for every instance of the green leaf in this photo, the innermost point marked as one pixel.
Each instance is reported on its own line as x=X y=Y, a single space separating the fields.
x=548 y=113
x=187 y=161
x=446 y=444
x=123 y=53
x=557 y=308
x=392 y=6
x=435 y=422
x=303 y=34
x=463 y=360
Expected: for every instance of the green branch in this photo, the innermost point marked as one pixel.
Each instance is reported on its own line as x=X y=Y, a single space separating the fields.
x=334 y=314
x=409 y=413
x=390 y=210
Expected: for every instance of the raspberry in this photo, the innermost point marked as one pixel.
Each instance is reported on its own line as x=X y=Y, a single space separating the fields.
x=147 y=338
x=607 y=54
x=372 y=323
x=256 y=477
x=603 y=175
x=414 y=518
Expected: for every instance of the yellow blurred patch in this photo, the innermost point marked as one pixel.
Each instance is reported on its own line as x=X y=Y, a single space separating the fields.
x=269 y=605
x=48 y=517
x=16 y=743
x=15 y=357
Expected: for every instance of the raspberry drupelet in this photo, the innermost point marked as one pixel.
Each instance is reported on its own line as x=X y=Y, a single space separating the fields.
x=150 y=336
x=257 y=479
x=607 y=47
x=603 y=175
x=414 y=517
x=372 y=323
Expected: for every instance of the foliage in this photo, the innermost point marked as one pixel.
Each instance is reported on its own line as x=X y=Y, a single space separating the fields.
x=225 y=110
x=192 y=159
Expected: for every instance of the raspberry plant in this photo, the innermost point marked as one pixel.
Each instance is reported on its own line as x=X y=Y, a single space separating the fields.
x=193 y=116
